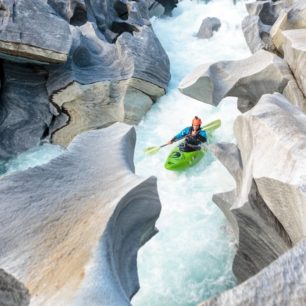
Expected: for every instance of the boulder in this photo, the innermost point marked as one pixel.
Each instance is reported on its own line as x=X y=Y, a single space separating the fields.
x=151 y=64
x=32 y=32
x=92 y=59
x=294 y=94
x=257 y=34
x=91 y=87
x=156 y=9
x=12 y=292
x=73 y=11
x=291 y=18
x=88 y=107
x=24 y=113
x=56 y=219
x=295 y=54
x=268 y=11
x=248 y=79
x=256 y=27
x=275 y=161
x=260 y=236
x=136 y=105
x=169 y=6
x=269 y=202
x=281 y=283
x=208 y=26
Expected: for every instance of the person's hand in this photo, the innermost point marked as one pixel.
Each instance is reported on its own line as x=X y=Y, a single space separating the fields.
x=169 y=142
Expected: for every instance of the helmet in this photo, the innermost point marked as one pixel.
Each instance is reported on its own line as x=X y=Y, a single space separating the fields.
x=196 y=121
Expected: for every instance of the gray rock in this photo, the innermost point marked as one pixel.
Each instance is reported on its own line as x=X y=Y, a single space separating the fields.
x=268 y=11
x=31 y=31
x=169 y=5
x=150 y=61
x=290 y=18
x=73 y=11
x=294 y=94
x=261 y=238
x=24 y=113
x=88 y=107
x=12 y=292
x=248 y=79
x=156 y=9
x=275 y=160
x=208 y=26
x=257 y=34
x=256 y=27
x=295 y=54
x=86 y=201
x=91 y=87
x=283 y=282
x=136 y=105
x=92 y=59
x=269 y=203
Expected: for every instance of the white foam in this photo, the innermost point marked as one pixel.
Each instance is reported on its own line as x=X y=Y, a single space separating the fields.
x=33 y=157
x=190 y=258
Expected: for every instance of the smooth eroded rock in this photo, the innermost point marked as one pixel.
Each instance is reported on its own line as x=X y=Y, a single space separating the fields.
x=87 y=201
x=136 y=105
x=269 y=202
x=256 y=27
x=24 y=113
x=290 y=18
x=88 y=107
x=31 y=31
x=248 y=79
x=272 y=142
x=294 y=49
x=208 y=26
x=283 y=282
x=260 y=236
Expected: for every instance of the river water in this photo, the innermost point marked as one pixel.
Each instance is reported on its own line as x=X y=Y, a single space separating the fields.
x=190 y=259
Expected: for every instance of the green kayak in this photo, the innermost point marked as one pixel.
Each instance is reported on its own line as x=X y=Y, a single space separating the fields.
x=179 y=160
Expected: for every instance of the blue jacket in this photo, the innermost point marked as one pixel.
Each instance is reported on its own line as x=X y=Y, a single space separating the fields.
x=194 y=140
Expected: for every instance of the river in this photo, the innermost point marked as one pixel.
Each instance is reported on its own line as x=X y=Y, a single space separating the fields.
x=190 y=259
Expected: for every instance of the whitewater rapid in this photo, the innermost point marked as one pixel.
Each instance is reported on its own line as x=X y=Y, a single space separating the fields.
x=190 y=259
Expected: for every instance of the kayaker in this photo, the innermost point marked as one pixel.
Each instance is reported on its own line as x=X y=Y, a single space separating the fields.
x=194 y=136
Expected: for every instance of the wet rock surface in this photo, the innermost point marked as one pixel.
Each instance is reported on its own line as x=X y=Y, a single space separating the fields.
x=281 y=283
x=208 y=26
x=247 y=79
x=87 y=54
x=24 y=112
x=268 y=205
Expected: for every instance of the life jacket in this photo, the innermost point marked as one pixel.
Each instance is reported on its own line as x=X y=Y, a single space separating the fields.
x=196 y=139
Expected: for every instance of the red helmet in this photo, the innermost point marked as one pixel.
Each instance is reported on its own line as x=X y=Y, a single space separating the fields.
x=196 y=121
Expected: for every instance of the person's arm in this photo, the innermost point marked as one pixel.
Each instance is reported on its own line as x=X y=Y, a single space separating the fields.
x=180 y=135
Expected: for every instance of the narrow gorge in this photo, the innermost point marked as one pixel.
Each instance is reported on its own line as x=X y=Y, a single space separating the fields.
x=87 y=218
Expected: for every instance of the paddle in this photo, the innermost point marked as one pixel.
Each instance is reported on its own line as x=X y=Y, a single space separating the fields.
x=212 y=125
x=208 y=128
x=151 y=150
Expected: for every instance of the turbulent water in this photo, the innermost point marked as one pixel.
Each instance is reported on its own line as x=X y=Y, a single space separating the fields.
x=190 y=259
x=31 y=158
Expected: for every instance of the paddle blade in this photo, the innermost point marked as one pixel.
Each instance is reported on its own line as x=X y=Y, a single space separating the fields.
x=212 y=125
x=151 y=150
